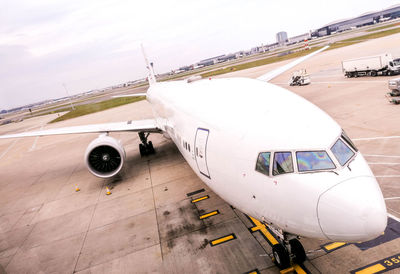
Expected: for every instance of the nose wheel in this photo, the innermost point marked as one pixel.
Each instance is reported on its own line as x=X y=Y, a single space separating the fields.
x=289 y=251
x=146 y=147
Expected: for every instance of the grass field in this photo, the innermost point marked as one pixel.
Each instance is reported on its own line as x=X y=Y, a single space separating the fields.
x=384 y=27
x=363 y=38
x=96 y=107
x=259 y=62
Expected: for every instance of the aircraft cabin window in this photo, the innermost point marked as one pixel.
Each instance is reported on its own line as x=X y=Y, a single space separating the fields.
x=313 y=160
x=263 y=162
x=282 y=163
x=342 y=152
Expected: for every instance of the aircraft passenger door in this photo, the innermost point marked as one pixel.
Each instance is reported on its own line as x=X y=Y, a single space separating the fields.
x=201 y=151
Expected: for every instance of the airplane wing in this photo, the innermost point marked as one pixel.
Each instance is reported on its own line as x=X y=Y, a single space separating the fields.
x=149 y=125
x=272 y=74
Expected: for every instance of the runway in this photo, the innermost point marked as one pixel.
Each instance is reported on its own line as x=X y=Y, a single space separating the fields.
x=160 y=218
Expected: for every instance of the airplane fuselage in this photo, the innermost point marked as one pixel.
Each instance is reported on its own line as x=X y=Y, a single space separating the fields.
x=222 y=126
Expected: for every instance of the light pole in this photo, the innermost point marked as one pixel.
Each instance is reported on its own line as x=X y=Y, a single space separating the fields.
x=70 y=101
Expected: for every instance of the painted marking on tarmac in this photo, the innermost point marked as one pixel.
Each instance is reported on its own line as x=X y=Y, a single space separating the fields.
x=267 y=234
x=34 y=142
x=379 y=155
x=200 y=199
x=195 y=192
x=208 y=215
x=392 y=198
x=295 y=268
x=387 y=176
x=270 y=237
x=394 y=217
x=330 y=247
x=389 y=164
x=387 y=264
x=223 y=239
x=375 y=138
x=8 y=148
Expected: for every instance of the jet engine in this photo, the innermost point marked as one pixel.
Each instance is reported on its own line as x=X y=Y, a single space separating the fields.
x=104 y=156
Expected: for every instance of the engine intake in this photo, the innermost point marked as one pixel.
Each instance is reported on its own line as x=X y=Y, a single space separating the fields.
x=104 y=156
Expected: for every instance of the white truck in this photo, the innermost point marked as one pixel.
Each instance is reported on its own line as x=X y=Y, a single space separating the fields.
x=382 y=64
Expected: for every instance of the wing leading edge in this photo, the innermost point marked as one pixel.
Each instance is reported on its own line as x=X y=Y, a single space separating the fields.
x=148 y=125
x=272 y=74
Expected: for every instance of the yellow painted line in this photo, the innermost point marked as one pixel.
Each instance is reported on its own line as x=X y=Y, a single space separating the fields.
x=372 y=269
x=263 y=229
x=287 y=270
x=223 y=239
x=215 y=212
x=253 y=272
x=200 y=199
x=334 y=245
x=299 y=269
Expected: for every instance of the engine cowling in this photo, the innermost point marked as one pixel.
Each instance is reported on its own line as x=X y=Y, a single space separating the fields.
x=105 y=156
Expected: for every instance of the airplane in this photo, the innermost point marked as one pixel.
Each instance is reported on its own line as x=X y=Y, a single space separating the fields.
x=263 y=149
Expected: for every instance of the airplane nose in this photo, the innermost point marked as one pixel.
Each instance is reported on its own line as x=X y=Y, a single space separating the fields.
x=353 y=210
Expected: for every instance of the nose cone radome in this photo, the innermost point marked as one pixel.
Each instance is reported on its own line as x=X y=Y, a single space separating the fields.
x=353 y=210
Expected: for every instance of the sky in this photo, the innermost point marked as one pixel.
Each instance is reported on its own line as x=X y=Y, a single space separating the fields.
x=86 y=45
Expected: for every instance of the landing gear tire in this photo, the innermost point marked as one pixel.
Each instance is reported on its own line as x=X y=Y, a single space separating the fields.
x=297 y=250
x=145 y=148
x=374 y=73
x=281 y=256
x=151 y=148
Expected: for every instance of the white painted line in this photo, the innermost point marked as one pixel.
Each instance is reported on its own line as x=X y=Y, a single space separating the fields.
x=389 y=164
x=8 y=149
x=392 y=198
x=34 y=142
x=375 y=138
x=393 y=217
x=385 y=156
x=387 y=176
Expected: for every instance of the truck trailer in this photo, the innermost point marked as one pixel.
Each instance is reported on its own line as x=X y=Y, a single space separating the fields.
x=382 y=64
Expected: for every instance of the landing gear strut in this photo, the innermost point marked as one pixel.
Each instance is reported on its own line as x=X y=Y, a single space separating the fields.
x=145 y=148
x=289 y=250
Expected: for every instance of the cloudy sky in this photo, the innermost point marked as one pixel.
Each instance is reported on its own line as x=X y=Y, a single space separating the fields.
x=93 y=44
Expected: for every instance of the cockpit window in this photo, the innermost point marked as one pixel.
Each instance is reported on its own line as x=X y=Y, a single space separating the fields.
x=342 y=152
x=313 y=160
x=348 y=141
x=282 y=163
x=263 y=162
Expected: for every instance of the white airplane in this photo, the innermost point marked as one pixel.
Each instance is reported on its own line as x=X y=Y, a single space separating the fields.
x=263 y=149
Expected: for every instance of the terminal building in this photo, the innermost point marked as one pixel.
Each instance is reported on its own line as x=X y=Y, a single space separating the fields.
x=368 y=18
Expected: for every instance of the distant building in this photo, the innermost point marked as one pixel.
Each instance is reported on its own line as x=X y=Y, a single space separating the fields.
x=300 y=38
x=368 y=18
x=281 y=37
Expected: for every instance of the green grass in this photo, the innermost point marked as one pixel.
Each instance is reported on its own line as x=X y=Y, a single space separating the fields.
x=259 y=62
x=383 y=27
x=362 y=38
x=96 y=107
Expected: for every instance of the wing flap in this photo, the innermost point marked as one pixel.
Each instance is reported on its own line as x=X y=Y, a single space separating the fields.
x=149 y=125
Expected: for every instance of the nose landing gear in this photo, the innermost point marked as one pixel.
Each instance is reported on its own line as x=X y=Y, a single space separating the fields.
x=146 y=147
x=290 y=250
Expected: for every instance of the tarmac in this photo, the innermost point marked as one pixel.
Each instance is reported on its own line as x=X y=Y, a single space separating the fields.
x=160 y=218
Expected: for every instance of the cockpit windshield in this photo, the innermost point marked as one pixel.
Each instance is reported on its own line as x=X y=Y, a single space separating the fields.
x=342 y=152
x=282 y=163
x=313 y=160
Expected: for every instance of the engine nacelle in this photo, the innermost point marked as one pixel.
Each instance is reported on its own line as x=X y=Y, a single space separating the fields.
x=104 y=156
